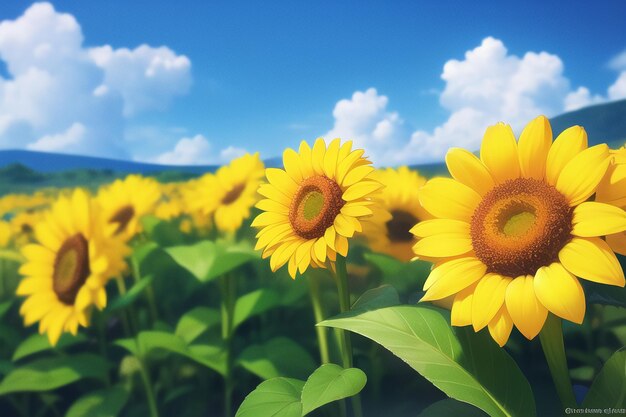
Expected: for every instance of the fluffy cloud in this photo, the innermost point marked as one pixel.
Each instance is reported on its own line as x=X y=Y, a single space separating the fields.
x=487 y=86
x=61 y=96
x=197 y=151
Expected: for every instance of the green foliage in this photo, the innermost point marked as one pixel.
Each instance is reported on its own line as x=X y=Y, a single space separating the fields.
x=277 y=397
x=195 y=322
x=609 y=388
x=255 y=303
x=50 y=373
x=330 y=383
x=101 y=403
x=36 y=343
x=466 y=366
x=450 y=407
x=280 y=356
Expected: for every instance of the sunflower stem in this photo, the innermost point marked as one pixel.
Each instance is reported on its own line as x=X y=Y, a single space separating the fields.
x=228 y=298
x=121 y=289
x=345 y=342
x=551 y=337
x=149 y=291
x=318 y=313
x=145 y=377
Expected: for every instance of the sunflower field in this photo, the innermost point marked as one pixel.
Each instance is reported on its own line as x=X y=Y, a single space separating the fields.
x=325 y=287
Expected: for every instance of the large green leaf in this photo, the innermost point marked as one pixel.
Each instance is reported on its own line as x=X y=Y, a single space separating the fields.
x=131 y=295
x=207 y=260
x=102 y=403
x=277 y=397
x=36 y=343
x=383 y=296
x=450 y=407
x=469 y=368
x=50 y=373
x=280 y=356
x=211 y=356
x=165 y=233
x=195 y=322
x=609 y=387
x=330 y=383
x=254 y=303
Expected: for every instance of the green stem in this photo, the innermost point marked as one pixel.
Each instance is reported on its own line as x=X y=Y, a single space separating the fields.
x=149 y=291
x=227 y=307
x=154 y=411
x=121 y=288
x=11 y=255
x=318 y=313
x=551 y=337
x=344 y=306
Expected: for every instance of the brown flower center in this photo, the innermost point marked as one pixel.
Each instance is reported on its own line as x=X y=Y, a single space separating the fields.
x=233 y=194
x=71 y=268
x=398 y=228
x=316 y=204
x=122 y=217
x=520 y=226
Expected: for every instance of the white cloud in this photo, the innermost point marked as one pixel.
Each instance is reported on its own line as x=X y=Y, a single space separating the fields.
x=618 y=62
x=64 y=97
x=197 y=151
x=487 y=86
x=71 y=137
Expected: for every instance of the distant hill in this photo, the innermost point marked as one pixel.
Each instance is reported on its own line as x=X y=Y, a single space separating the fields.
x=603 y=122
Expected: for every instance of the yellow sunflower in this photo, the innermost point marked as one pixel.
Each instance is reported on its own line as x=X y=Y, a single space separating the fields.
x=230 y=193
x=5 y=234
x=314 y=205
x=125 y=201
x=66 y=271
x=391 y=234
x=170 y=206
x=612 y=190
x=514 y=230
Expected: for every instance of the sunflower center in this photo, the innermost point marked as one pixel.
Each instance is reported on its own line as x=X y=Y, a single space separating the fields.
x=316 y=204
x=233 y=194
x=122 y=217
x=71 y=268
x=26 y=228
x=520 y=226
x=398 y=228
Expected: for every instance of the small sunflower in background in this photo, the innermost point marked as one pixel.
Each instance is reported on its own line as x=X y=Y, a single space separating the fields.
x=314 y=205
x=390 y=232
x=612 y=190
x=23 y=225
x=170 y=206
x=66 y=271
x=5 y=234
x=229 y=194
x=125 y=202
x=513 y=231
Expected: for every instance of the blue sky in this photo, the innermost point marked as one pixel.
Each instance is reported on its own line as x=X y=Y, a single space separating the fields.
x=261 y=76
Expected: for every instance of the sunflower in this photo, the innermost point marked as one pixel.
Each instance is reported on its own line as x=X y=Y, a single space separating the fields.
x=125 y=201
x=314 y=205
x=23 y=226
x=66 y=271
x=391 y=234
x=612 y=190
x=230 y=193
x=5 y=234
x=514 y=230
x=170 y=205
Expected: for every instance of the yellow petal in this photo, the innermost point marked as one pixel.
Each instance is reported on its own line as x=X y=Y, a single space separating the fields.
x=453 y=276
x=306 y=166
x=527 y=312
x=581 y=176
x=57 y=324
x=344 y=226
x=269 y=218
x=440 y=226
x=488 y=298
x=281 y=180
x=534 y=144
x=500 y=327
x=592 y=259
x=291 y=161
x=341 y=245
x=561 y=293
x=33 y=285
x=330 y=158
x=461 y=314
x=443 y=245
x=273 y=193
x=566 y=146
x=271 y=205
x=449 y=199
x=466 y=168
x=320 y=249
x=329 y=237
x=357 y=174
x=360 y=190
x=345 y=165
x=356 y=210
x=612 y=189
x=598 y=219
x=617 y=242
x=317 y=156
x=499 y=153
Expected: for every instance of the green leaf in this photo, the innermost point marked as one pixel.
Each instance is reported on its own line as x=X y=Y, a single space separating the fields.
x=50 y=373
x=254 y=303
x=609 y=387
x=207 y=260
x=4 y=307
x=277 y=397
x=36 y=343
x=278 y=357
x=131 y=295
x=211 y=356
x=102 y=403
x=383 y=296
x=470 y=368
x=164 y=233
x=450 y=407
x=401 y=275
x=330 y=383
x=195 y=322
x=604 y=294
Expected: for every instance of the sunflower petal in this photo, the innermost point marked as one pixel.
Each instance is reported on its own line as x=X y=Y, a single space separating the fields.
x=598 y=219
x=561 y=292
x=499 y=153
x=466 y=168
x=580 y=177
x=534 y=145
x=527 y=312
x=592 y=259
x=453 y=276
x=461 y=314
x=566 y=146
x=449 y=199
x=488 y=298
x=500 y=327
